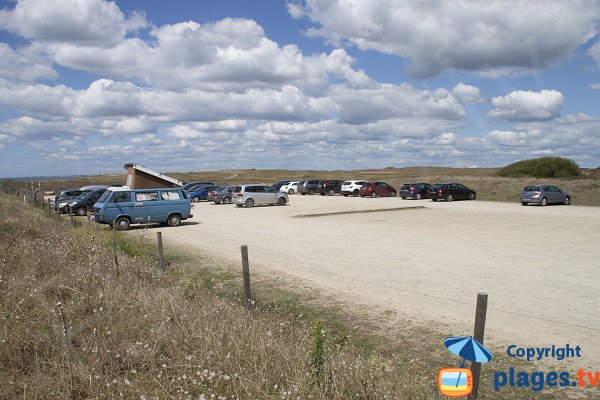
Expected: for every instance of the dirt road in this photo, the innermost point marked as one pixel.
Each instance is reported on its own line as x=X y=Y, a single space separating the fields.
x=539 y=265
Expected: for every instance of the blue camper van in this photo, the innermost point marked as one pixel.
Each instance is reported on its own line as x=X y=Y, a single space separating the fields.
x=142 y=206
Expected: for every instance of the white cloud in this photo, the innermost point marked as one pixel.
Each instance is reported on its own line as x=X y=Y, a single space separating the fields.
x=523 y=105
x=467 y=94
x=80 y=22
x=27 y=63
x=479 y=36
x=295 y=10
x=594 y=52
x=595 y=86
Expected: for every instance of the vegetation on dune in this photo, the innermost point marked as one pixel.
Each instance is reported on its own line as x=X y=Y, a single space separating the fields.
x=545 y=167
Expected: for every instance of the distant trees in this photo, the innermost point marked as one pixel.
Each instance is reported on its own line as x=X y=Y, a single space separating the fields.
x=545 y=167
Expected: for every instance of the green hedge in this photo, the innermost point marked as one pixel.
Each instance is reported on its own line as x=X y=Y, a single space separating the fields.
x=545 y=167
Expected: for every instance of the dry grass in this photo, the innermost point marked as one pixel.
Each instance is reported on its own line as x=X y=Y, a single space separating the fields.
x=585 y=189
x=78 y=324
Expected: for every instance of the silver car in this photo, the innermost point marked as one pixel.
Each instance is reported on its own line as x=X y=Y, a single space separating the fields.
x=251 y=195
x=543 y=194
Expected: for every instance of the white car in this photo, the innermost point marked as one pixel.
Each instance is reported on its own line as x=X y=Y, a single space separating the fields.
x=290 y=188
x=352 y=187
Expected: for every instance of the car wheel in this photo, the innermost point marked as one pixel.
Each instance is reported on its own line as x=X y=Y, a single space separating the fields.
x=281 y=201
x=249 y=203
x=331 y=192
x=418 y=196
x=393 y=194
x=291 y=191
x=543 y=201
x=355 y=193
x=81 y=211
x=123 y=224
x=311 y=192
x=524 y=203
x=226 y=200
x=373 y=195
x=472 y=196
x=567 y=201
x=449 y=198
x=174 y=220
x=195 y=199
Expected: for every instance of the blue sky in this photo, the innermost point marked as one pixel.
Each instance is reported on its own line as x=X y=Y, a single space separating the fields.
x=89 y=85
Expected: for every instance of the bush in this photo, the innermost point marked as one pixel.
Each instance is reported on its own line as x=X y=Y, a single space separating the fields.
x=545 y=167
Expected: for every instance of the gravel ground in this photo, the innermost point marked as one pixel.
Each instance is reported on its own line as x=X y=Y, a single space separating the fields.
x=538 y=264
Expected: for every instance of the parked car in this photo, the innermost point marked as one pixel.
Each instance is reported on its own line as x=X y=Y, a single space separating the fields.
x=417 y=191
x=222 y=194
x=277 y=185
x=251 y=195
x=450 y=191
x=352 y=187
x=84 y=203
x=289 y=188
x=309 y=186
x=330 y=187
x=200 y=192
x=123 y=206
x=188 y=186
x=543 y=194
x=62 y=199
x=376 y=189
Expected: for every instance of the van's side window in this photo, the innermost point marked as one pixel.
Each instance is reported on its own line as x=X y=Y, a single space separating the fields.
x=121 y=197
x=170 y=195
x=146 y=196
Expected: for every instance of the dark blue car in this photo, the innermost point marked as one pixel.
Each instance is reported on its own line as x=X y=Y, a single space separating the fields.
x=200 y=192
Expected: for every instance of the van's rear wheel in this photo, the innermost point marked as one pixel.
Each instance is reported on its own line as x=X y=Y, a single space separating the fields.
x=249 y=203
x=123 y=224
x=281 y=201
x=174 y=220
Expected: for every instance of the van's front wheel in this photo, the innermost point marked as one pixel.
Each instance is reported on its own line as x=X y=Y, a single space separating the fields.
x=174 y=220
x=123 y=224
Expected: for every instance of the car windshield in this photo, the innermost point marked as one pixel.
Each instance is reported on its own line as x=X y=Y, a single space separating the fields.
x=436 y=186
x=105 y=196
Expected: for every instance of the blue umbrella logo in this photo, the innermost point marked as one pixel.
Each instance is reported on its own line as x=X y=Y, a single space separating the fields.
x=468 y=348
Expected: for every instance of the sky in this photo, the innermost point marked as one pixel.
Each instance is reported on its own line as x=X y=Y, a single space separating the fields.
x=89 y=85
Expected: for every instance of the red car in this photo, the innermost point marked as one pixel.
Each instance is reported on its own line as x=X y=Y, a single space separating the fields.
x=377 y=189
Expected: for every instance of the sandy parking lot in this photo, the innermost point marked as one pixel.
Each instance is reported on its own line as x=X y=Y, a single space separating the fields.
x=539 y=265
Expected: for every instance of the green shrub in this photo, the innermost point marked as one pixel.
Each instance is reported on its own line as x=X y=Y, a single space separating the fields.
x=545 y=167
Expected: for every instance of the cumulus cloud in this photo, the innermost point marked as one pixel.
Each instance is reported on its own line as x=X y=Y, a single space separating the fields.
x=27 y=63
x=479 y=36
x=523 y=105
x=467 y=94
x=595 y=86
x=81 y=22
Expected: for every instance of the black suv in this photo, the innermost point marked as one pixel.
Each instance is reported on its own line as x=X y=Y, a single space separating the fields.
x=417 y=191
x=330 y=187
x=64 y=196
x=84 y=203
x=309 y=187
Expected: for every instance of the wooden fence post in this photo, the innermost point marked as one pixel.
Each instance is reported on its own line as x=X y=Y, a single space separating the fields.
x=49 y=211
x=246 y=277
x=89 y=217
x=478 y=334
x=161 y=254
x=71 y=215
